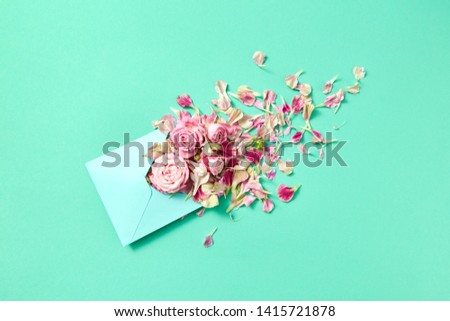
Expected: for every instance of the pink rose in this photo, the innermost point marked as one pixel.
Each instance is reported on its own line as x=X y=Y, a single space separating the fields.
x=169 y=174
x=218 y=133
x=186 y=141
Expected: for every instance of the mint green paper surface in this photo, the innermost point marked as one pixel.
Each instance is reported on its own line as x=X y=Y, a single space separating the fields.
x=74 y=75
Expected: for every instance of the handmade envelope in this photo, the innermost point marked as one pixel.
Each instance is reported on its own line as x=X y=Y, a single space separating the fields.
x=135 y=208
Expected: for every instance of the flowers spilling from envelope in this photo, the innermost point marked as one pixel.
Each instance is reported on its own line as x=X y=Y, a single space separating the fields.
x=201 y=159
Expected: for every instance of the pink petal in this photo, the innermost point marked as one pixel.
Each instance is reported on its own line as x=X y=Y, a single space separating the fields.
x=208 y=239
x=269 y=97
x=201 y=212
x=259 y=57
x=248 y=200
x=329 y=85
x=184 y=100
x=297 y=137
x=317 y=136
x=286 y=193
x=297 y=104
x=271 y=174
x=321 y=152
x=267 y=205
x=359 y=72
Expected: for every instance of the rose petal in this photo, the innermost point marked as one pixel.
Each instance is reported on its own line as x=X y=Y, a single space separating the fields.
x=208 y=239
x=184 y=100
x=359 y=72
x=317 y=136
x=201 y=212
x=286 y=193
x=267 y=205
x=259 y=57
x=287 y=167
x=302 y=149
x=297 y=137
x=292 y=80
x=329 y=85
x=271 y=175
x=353 y=89
x=305 y=89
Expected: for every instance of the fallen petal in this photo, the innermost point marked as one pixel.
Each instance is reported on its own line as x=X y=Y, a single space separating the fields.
x=267 y=205
x=297 y=137
x=354 y=89
x=208 y=239
x=359 y=72
x=184 y=101
x=329 y=85
x=201 y=212
x=286 y=193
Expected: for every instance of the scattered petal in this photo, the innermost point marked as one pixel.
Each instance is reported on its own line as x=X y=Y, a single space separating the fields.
x=267 y=205
x=302 y=149
x=297 y=137
x=318 y=138
x=269 y=97
x=259 y=57
x=184 y=101
x=297 y=104
x=329 y=85
x=286 y=167
x=248 y=200
x=307 y=112
x=359 y=72
x=321 y=152
x=305 y=89
x=354 y=89
x=271 y=174
x=292 y=80
x=286 y=193
x=208 y=239
x=201 y=212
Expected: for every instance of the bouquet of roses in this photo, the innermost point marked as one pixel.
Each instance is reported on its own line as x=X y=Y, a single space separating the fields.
x=228 y=152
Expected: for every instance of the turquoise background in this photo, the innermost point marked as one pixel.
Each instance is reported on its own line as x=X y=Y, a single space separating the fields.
x=75 y=74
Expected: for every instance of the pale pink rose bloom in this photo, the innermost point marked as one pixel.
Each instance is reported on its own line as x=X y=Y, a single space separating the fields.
x=184 y=100
x=169 y=174
x=267 y=205
x=286 y=193
x=218 y=133
x=259 y=57
x=335 y=99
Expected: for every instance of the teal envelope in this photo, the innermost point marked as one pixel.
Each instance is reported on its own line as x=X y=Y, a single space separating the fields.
x=135 y=208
